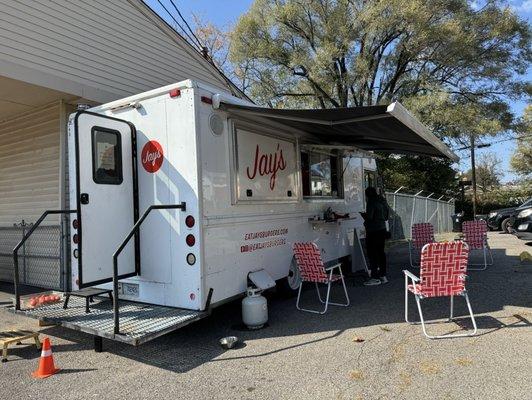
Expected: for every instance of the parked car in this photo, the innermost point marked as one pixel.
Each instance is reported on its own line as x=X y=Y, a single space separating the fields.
x=501 y=219
x=522 y=223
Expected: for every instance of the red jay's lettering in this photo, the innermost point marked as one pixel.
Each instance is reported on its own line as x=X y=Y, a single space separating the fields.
x=150 y=158
x=267 y=164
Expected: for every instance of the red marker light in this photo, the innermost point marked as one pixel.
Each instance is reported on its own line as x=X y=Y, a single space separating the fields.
x=191 y=240
x=190 y=221
x=75 y=224
x=75 y=238
x=175 y=93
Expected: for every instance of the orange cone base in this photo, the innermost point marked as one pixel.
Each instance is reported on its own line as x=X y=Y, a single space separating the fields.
x=39 y=376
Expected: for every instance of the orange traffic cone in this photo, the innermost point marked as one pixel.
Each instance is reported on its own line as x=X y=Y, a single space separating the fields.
x=46 y=363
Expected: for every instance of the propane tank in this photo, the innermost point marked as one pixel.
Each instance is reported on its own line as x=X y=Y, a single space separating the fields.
x=254 y=309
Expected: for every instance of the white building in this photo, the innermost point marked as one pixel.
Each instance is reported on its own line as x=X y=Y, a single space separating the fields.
x=55 y=54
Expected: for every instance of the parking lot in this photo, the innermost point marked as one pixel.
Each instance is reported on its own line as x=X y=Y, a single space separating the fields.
x=365 y=351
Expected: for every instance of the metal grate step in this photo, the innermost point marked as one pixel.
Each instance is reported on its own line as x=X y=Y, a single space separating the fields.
x=139 y=322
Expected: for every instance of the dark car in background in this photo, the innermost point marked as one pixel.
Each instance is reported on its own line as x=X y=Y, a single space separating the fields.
x=502 y=219
x=522 y=223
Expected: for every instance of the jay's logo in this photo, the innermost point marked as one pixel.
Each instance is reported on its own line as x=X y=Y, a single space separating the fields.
x=152 y=156
x=267 y=164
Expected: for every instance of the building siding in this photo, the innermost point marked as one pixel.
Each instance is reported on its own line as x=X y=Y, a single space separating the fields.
x=104 y=45
x=29 y=165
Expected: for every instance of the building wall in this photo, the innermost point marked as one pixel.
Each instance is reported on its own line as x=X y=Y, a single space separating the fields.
x=100 y=50
x=29 y=165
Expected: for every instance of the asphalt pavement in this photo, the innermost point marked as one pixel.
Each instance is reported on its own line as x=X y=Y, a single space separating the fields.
x=365 y=351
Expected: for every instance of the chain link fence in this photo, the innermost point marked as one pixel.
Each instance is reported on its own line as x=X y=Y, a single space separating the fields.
x=408 y=209
x=40 y=260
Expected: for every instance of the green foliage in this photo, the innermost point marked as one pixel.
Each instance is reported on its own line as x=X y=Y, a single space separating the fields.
x=432 y=175
x=488 y=172
x=502 y=197
x=457 y=67
x=521 y=161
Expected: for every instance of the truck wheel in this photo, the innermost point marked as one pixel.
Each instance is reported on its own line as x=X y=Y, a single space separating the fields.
x=505 y=225
x=289 y=285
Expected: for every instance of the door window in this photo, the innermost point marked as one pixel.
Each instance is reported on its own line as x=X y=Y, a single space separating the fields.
x=106 y=156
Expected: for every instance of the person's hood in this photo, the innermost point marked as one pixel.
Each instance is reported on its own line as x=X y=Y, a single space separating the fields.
x=378 y=199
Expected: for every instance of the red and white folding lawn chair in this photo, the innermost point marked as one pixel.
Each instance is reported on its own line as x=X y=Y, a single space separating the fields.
x=442 y=270
x=312 y=269
x=476 y=237
x=422 y=233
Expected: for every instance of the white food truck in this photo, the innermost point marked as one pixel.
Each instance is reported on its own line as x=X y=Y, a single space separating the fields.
x=234 y=186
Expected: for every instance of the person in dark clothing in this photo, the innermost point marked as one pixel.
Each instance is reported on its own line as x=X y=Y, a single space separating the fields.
x=375 y=217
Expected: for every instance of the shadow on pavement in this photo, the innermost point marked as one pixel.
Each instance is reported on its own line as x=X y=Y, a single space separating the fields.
x=490 y=291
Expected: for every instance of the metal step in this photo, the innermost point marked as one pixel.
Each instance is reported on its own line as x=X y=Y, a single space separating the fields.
x=139 y=322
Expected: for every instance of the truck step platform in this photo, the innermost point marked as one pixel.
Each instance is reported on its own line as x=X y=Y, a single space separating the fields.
x=139 y=322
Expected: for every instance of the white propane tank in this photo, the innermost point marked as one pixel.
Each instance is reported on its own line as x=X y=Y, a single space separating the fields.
x=254 y=309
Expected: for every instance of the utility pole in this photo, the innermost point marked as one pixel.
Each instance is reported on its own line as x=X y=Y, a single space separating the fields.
x=473 y=175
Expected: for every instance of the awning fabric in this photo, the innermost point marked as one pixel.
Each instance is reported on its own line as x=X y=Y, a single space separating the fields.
x=383 y=128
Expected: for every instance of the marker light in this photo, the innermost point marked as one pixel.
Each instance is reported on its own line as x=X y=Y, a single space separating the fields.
x=75 y=253
x=190 y=221
x=75 y=238
x=191 y=259
x=175 y=93
x=191 y=240
x=75 y=224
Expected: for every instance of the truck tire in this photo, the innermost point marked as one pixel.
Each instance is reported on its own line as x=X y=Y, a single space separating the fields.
x=505 y=225
x=288 y=286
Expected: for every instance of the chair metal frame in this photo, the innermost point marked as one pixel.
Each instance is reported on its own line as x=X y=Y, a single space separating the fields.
x=411 y=242
x=328 y=282
x=418 y=296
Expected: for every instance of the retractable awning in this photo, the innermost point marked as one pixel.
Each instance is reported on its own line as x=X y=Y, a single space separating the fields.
x=383 y=128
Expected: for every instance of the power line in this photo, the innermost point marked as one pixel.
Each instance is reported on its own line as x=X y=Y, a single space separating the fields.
x=482 y=145
x=177 y=23
x=186 y=23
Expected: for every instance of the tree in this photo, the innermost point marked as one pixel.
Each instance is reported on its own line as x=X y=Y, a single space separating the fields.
x=432 y=175
x=455 y=64
x=216 y=41
x=337 y=53
x=488 y=172
x=521 y=161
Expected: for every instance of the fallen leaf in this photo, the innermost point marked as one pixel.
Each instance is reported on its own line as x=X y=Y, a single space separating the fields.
x=430 y=367
x=464 y=362
x=406 y=380
x=398 y=353
x=358 y=339
x=385 y=328
x=525 y=256
x=356 y=375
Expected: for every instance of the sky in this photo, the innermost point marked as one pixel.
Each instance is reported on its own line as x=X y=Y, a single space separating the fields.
x=225 y=13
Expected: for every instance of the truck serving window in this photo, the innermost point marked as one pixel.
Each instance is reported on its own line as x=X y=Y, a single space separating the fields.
x=320 y=174
x=370 y=179
x=106 y=156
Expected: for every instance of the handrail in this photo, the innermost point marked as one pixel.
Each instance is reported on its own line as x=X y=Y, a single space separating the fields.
x=134 y=230
x=21 y=243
